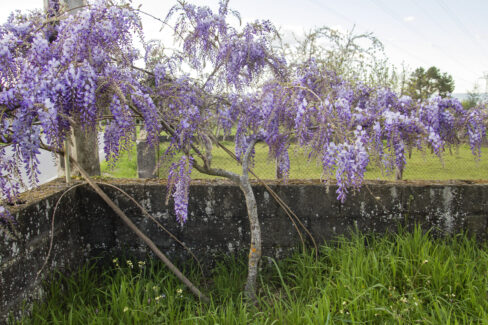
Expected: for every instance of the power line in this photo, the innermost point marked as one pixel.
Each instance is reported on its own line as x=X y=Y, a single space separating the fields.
x=392 y=44
x=340 y=15
x=460 y=25
x=430 y=18
x=393 y=15
x=400 y=48
x=435 y=21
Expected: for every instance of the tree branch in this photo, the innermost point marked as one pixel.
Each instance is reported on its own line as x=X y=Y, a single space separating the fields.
x=217 y=172
x=247 y=156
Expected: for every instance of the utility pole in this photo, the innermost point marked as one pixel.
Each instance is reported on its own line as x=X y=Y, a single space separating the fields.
x=485 y=76
x=84 y=142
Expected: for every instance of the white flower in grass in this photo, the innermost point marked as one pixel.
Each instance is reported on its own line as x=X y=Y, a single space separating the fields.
x=162 y=296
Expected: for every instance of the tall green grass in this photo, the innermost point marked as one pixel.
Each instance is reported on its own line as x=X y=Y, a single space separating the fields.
x=409 y=278
x=461 y=164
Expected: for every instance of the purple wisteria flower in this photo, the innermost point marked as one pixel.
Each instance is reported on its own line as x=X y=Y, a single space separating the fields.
x=178 y=186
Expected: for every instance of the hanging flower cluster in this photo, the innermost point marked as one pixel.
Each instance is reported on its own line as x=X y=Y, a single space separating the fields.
x=179 y=186
x=74 y=71
x=234 y=57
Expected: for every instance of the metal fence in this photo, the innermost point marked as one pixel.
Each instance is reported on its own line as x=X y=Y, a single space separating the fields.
x=458 y=163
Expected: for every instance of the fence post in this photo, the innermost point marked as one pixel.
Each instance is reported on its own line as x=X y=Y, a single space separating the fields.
x=278 y=170
x=146 y=157
x=398 y=174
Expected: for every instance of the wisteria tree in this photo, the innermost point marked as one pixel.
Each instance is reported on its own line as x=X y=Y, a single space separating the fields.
x=73 y=70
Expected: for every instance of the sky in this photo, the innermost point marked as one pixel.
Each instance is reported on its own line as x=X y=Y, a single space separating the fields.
x=449 y=34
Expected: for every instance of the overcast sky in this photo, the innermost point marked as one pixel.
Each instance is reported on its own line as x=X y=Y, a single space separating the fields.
x=450 y=34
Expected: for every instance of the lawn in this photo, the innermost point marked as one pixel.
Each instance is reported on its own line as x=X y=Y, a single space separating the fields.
x=461 y=164
x=408 y=278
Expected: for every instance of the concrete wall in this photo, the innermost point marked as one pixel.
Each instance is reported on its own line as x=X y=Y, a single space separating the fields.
x=86 y=227
x=23 y=248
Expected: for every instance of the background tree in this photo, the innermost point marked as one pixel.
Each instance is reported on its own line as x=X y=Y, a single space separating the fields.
x=356 y=57
x=474 y=98
x=423 y=84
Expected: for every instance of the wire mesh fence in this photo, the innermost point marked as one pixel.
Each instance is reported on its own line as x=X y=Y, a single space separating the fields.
x=460 y=163
x=455 y=164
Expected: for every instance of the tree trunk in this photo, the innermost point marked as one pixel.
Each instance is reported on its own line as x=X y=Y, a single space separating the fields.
x=252 y=212
x=85 y=142
x=255 y=228
x=85 y=149
x=255 y=247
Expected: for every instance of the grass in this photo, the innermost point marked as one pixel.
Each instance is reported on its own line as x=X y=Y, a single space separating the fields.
x=406 y=278
x=421 y=166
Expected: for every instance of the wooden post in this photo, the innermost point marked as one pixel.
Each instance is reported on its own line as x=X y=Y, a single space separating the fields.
x=67 y=167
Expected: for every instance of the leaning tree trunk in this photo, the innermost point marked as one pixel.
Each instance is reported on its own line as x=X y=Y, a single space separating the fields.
x=140 y=234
